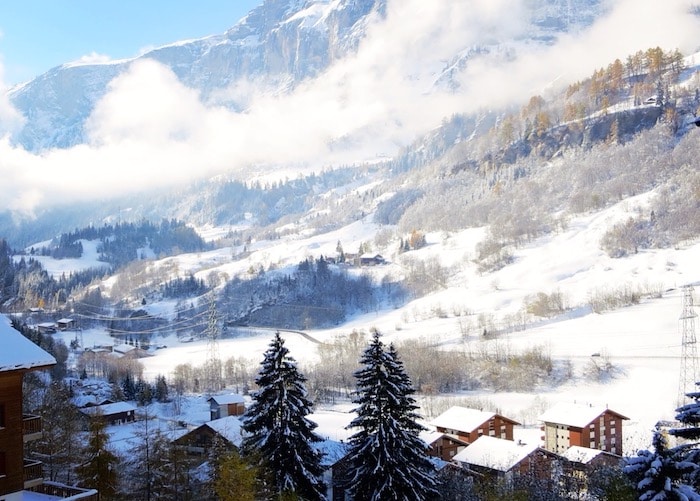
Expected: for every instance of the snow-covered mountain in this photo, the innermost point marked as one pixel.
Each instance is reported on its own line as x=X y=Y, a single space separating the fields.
x=276 y=46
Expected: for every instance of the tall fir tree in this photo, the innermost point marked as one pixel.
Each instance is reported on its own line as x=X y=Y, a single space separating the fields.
x=99 y=470
x=279 y=435
x=387 y=459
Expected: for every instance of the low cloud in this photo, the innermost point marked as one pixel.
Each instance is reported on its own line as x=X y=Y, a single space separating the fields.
x=150 y=130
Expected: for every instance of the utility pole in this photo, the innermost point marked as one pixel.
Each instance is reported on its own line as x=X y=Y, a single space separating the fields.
x=213 y=363
x=689 y=355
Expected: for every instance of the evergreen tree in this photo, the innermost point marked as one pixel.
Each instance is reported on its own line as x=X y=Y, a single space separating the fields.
x=279 y=435
x=99 y=470
x=658 y=475
x=689 y=416
x=387 y=459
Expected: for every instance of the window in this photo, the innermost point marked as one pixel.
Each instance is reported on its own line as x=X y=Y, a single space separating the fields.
x=2 y=415
x=3 y=472
x=612 y=431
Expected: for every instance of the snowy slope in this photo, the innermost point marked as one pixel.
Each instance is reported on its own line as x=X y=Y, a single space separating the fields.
x=642 y=342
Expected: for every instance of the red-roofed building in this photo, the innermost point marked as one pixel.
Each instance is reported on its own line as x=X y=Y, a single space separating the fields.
x=19 y=475
x=572 y=424
x=469 y=424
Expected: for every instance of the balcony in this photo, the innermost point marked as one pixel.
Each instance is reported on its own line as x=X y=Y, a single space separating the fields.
x=32 y=474
x=61 y=491
x=31 y=427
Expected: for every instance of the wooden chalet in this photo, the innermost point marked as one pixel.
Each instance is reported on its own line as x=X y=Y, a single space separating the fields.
x=221 y=406
x=572 y=424
x=507 y=459
x=442 y=445
x=371 y=260
x=20 y=477
x=113 y=413
x=467 y=425
x=581 y=462
x=65 y=324
x=227 y=431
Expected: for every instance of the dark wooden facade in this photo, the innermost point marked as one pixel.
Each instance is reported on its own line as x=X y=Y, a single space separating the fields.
x=11 y=433
x=497 y=426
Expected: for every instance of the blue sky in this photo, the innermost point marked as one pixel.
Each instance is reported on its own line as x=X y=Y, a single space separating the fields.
x=36 y=35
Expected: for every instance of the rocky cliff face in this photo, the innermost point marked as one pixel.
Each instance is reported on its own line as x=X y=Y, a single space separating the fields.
x=278 y=45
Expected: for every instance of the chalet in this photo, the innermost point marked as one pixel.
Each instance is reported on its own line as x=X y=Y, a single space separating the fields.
x=226 y=430
x=46 y=327
x=114 y=413
x=129 y=351
x=507 y=459
x=442 y=445
x=65 y=324
x=581 y=462
x=22 y=478
x=371 y=260
x=226 y=405
x=583 y=425
x=469 y=424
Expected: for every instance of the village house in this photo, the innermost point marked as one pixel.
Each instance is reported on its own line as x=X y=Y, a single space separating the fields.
x=227 y=431
x=65 y=324
x=507 y=459
x=46 y=327
x=226 y=405
x=468 y=425
x=20 y=477
x=583 y=425
x=113 y=414
x=371 y=260
x=441 y=445
x=581 y=462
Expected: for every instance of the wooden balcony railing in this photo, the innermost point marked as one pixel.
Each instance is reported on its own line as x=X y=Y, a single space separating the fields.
x=66 y=492
x=33 y=473
x=31 y=427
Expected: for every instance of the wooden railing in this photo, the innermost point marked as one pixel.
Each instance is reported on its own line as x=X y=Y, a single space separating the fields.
x=32 y=472
x=66 y=492
x=31 y=424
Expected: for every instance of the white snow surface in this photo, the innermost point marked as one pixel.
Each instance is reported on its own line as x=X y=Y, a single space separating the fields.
x=495 y=453
x=642 y=342
x=580 y=454
x=573 y=414
x=462 y=419
x=17 y=352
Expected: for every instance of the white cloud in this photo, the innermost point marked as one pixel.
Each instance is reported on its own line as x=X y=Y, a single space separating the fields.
x=150 y=130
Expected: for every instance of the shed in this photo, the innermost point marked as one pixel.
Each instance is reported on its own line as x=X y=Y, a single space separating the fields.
x=226 y=405
x=65 y=324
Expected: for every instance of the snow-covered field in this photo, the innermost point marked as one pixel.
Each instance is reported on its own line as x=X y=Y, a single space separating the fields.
x=643 y=341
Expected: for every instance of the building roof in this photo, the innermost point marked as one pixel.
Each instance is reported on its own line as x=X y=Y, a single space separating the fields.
x=430 y=437
x=228 y=427
x=65 y=321
x=123 y=348
x=495 y=453
x=108 y=409
x=227 y=399
x=583 y=455
x=464 y=419
x=576 y=415
x=18 y=352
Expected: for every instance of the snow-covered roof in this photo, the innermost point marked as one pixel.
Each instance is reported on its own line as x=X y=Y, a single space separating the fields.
x=228 y=399
x=581 y=454
x=124 y=348
x=495 y=453
x=18 y=352
x=65 y=321
x=228 y=427
x=463 y=419
x=430 y=437
x=108 y=409
x=573 y=414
